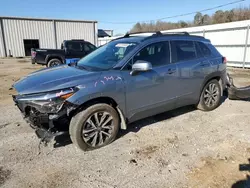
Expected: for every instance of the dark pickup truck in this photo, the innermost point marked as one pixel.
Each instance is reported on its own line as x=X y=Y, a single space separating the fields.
x=71 y=51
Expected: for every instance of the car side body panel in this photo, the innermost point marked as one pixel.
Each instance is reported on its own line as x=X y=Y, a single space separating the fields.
x=110 y=84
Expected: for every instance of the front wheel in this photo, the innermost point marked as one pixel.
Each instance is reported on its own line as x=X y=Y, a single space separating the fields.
x=94 y=127
x=210 y=97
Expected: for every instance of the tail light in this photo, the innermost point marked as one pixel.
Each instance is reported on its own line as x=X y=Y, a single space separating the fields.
x=33 y=54
x=224 y=59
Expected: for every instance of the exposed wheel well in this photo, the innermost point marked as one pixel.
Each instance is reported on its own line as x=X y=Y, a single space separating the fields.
x=106 y=100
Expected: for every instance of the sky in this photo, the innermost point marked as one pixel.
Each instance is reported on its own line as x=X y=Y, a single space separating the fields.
x=105 y=11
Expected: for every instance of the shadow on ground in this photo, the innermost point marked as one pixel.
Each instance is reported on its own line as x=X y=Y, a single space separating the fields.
x=136 y=126
x=64 y=140
x=243 y=183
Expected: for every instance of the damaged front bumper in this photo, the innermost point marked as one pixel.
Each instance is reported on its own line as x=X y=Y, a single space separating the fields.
x=49 y=116
x=235 y=93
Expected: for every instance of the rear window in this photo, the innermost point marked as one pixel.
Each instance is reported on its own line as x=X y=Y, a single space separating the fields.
x=185 y=50
x=204 y=49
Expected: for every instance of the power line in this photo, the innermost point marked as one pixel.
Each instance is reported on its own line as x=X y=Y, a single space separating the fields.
x=179 y=15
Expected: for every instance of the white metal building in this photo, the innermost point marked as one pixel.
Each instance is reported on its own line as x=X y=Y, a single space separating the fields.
x=19 y=35
x=231 y=39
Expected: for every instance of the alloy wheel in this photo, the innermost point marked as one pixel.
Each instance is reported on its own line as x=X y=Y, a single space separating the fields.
x=211 y=95
x=54 y=63
x=97 y=129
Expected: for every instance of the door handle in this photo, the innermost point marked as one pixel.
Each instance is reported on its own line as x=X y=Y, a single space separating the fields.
x=205 y=63
x=171 y=71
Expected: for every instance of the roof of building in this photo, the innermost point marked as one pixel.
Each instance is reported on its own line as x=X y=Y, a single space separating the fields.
x=46 y=19
x=103 y=33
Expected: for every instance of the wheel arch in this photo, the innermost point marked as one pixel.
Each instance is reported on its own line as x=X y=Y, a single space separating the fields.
x=54 y=56
x=214 y=76
x=107 y=100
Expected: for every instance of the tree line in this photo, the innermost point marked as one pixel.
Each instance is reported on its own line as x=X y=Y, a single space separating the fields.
x=219 y=16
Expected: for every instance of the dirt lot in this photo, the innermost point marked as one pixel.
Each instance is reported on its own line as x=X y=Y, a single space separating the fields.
x=181 y=148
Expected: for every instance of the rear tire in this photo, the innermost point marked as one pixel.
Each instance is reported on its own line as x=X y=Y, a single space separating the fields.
x=54 y=62
x=91 y=128
x=210 y=97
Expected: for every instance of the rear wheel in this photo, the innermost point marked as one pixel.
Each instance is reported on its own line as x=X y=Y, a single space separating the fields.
x=54 y=62
x=210 y=97
x=94 y=127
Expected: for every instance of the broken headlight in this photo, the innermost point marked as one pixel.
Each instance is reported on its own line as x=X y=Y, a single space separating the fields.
x=50 y=102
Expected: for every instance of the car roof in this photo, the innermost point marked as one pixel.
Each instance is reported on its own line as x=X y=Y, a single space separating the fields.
x=140 y=37
x=131 y=39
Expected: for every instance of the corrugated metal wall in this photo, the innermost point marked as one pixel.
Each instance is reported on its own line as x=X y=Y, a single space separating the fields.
x=16 y=30
x=74 y=30
x=2 y=53
x=228 y=38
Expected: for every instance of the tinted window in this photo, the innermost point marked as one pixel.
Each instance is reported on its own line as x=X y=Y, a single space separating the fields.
x=205 y=50
x=91 y=46
x=75 y=46
x=157 y=54
x=198 y=50
x=107 y=56
x=184 y=50
x=87 y=47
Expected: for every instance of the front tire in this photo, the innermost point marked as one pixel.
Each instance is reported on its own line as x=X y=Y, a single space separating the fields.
x=94 y=127
x=210 y=97
x=54 y=62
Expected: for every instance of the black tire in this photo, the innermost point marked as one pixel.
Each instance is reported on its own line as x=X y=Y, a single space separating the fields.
x=54 y=62
x=79 y=123
x=205 y=104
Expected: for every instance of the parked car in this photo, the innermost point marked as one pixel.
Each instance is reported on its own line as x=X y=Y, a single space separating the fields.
x=71 y=50
x=128 y=79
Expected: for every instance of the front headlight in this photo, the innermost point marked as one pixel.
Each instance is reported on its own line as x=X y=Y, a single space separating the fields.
x=50 y=102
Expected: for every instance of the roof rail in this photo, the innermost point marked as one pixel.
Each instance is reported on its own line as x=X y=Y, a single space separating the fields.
x=175 y=33
x=153 y=32
x=77 y=39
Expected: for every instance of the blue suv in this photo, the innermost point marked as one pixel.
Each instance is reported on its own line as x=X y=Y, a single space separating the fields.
x=130 y=78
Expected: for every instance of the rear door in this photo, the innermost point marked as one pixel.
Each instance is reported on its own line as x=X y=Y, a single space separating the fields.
x=207 y=61
x=189 y=61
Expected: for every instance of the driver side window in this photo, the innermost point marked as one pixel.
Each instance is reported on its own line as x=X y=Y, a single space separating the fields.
x=158 y=54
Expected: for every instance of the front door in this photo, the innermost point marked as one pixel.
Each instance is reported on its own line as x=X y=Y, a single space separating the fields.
x=152 y=92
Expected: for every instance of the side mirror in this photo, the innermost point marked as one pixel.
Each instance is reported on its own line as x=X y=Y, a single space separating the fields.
x=141 y=66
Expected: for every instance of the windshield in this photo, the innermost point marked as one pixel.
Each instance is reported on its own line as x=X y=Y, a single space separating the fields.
x=107 y=56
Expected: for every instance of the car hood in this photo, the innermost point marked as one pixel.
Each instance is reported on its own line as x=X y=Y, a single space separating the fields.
x=50 y=79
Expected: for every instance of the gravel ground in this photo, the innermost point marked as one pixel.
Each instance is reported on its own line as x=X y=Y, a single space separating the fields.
x=181 y=148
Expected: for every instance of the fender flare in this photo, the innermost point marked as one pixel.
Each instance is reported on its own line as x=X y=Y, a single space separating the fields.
x=56 y=56
x=211 y=76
